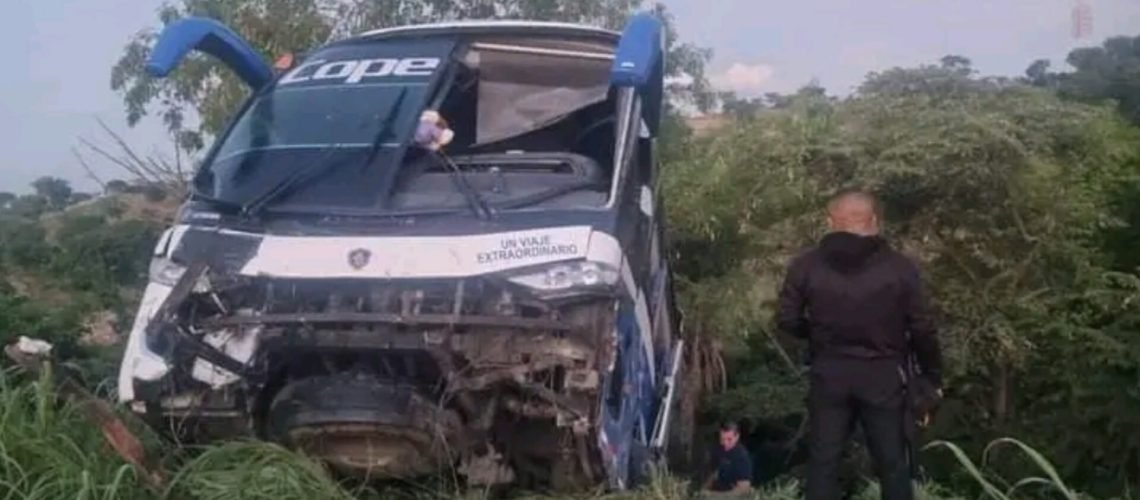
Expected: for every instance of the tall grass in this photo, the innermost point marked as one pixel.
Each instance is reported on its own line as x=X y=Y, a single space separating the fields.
x=999 y=488
x=253 y=471
x=49 y=451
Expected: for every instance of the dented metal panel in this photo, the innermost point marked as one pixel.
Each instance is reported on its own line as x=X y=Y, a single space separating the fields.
x=515 y=346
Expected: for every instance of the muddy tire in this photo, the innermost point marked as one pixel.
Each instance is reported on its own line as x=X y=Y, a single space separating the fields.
x=359 y=425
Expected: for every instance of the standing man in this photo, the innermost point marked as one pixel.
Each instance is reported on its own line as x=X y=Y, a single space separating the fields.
x=733 y=464
x=857 y=300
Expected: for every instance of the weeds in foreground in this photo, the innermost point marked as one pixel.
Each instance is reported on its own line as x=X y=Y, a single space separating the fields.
x=998 y=488
x=49 y=451
x=251 y=471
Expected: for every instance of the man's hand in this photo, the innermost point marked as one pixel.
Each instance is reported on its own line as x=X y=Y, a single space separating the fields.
x=930 y=408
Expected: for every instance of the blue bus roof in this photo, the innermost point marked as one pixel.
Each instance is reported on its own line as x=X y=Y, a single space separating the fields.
x=638 y=58
x=494 y=27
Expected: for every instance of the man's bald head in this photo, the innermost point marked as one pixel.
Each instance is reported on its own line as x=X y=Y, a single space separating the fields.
x=853 y=211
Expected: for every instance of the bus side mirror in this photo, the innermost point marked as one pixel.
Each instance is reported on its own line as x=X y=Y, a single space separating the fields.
x=210 y=37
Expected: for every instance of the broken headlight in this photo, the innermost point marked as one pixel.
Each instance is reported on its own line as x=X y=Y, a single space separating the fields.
x=568 y=278
x=165 y=271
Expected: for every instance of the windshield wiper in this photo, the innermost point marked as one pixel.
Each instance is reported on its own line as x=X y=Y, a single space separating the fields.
x=385 y=127
x=478 y=206
x=547 y=195
x=321 y=166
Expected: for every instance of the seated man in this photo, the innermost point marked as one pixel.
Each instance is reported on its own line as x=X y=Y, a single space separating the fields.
x=733 y=464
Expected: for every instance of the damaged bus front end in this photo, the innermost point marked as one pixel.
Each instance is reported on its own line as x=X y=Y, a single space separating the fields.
x=343 y=281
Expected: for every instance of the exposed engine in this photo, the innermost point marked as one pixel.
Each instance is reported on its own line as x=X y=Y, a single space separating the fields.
x=390 y=380
x=422 y=247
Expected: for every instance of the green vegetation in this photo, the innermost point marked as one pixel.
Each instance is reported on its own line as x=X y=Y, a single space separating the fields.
x=1009 y=194
x=1021 y=196
x=47 y=451
x=70 y=273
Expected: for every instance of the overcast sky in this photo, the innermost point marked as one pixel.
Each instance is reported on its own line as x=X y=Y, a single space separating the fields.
x=58 y=54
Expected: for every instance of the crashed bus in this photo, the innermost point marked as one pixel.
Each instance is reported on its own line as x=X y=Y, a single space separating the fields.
x=424 y=247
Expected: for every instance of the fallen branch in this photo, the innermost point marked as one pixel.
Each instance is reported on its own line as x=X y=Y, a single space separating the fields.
x=145 y=169
x=34 y=356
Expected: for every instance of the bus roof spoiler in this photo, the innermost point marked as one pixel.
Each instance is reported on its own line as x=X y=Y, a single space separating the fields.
x=210 y=37
x=639 y=62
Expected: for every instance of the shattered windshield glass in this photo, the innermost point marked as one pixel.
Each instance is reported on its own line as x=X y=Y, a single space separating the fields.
x=331 y=133
x=328 y=113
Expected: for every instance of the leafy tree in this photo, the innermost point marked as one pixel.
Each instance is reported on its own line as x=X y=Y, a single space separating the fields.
x=202 y=85
x=117 y=187
x=29 y=205
x=1003 y=191
x=6 y=198
x=1122 y=239
x=959 y=64
x=55 y=191
x=951 y=79
x=740 y=108
x=205 y=88
x=685 y=59
x=368 y=14
x=153 y=192
x=96 y=255
x=79 y=198
x=1037 y=74
x=22 y=243
x=1108 y=72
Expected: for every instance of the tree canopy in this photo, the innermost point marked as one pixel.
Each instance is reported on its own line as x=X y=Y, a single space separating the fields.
x=1003 y=191
x=203 y=89
x=1107 y=72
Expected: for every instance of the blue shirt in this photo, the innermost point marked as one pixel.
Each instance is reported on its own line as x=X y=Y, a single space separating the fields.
x=732 y=466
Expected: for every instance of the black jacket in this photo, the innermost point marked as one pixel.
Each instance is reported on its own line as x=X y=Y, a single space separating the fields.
x=855 y=296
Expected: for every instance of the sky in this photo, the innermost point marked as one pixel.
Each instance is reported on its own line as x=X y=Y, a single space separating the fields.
x=59 y=54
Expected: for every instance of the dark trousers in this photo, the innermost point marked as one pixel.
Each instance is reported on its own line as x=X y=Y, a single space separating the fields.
x=845 y=391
